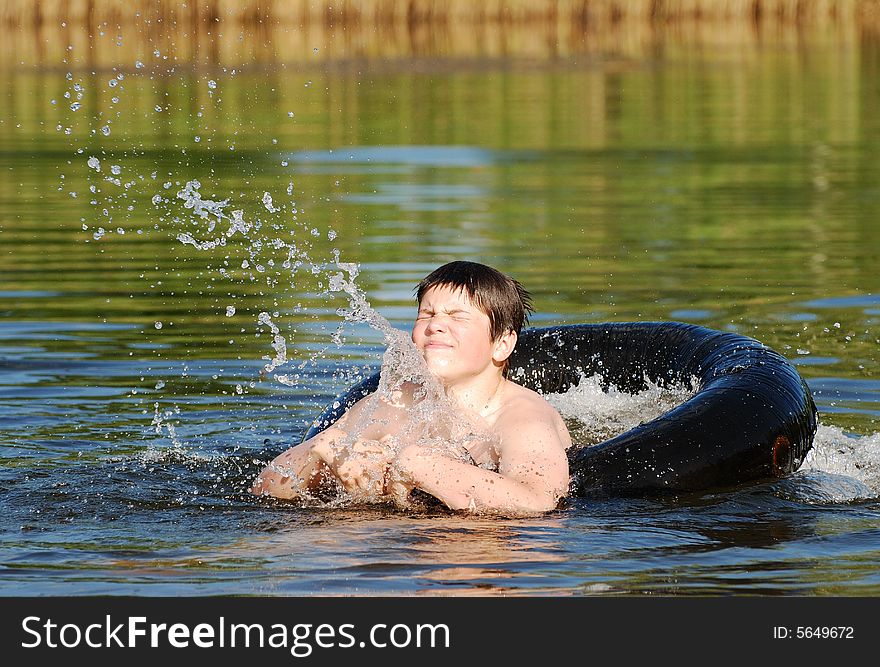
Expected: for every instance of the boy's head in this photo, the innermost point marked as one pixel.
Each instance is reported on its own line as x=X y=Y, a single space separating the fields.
x=504 y=300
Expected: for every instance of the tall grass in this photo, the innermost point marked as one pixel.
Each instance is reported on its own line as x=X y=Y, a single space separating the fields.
x=229 y=32
x=29 y=12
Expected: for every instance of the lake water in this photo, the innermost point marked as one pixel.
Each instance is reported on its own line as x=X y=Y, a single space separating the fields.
x=734 y=188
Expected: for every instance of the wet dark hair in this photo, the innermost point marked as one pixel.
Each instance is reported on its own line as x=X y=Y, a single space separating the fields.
x=504 y=300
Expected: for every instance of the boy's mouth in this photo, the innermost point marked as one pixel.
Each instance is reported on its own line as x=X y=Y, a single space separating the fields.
x=436 y=345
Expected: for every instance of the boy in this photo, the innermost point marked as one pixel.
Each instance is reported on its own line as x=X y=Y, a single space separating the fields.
x=468 y=322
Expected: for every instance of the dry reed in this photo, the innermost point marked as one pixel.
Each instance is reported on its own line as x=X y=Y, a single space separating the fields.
x=102 y=33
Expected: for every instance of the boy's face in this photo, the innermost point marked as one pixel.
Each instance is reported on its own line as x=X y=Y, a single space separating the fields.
x=452 y=334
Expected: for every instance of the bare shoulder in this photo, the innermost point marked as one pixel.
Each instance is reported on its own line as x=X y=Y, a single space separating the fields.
x=376 y=416
x=533 y=440
x=526 y=412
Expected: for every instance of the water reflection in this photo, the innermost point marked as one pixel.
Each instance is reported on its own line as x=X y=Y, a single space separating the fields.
x=411 y=156
x=378 y=550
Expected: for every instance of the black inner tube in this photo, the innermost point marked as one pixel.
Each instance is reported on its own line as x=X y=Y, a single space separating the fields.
x=752 y=417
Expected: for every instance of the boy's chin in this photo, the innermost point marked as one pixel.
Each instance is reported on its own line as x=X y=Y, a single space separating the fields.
x=439 y=368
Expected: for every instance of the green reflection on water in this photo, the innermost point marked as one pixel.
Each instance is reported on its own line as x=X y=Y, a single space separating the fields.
x=736 y=189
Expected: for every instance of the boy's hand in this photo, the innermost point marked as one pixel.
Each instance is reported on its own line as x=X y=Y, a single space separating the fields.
x=360 y=468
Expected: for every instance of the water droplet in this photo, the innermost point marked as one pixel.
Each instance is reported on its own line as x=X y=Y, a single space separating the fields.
x=115 y=170
x=161 y=383
x=105 y=130
x=157 y=324
x=158 y=109
x=112 y=83
x=94 y=163
x=230 y=311
x=138 y=64
x=75 y=106
x=212 y=84
x=290 y=114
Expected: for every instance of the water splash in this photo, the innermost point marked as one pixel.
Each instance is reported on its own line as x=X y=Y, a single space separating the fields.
x=595 y=413
x=340 y=276
x=840 y=468
x=163 y=426
x=279 y=344
x=429 y=417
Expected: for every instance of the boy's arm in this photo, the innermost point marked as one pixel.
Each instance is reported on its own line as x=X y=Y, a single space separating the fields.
x=298 y=470
x=532 y=474
x=358 y=466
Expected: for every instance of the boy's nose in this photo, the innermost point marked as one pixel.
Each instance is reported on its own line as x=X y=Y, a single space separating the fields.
x=435 y=324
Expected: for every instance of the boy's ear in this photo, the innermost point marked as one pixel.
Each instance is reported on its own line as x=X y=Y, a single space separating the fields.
x=504 y=346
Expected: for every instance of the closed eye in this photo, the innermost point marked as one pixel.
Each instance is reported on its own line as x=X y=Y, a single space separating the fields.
x=457 y=315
